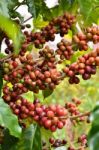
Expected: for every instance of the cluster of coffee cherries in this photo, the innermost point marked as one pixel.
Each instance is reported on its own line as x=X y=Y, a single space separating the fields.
x=58 y=25
x=73 y=110
x=65 y=50
x=81 y=40
x=50 y=117
x=83 y=140
x=93 y=34
x=23 y=72
x=72 y=106
x=85 y=66
x=50 y=59
x=37 y=39
x=48 y=33
x=57 y=142
x=9 y=66
x=46 y=52
x=43 y=74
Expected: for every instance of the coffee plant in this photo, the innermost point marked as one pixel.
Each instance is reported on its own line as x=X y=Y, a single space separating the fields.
x=40 y=76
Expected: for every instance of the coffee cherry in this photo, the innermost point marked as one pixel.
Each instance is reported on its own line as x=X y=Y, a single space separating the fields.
x=50 y=114
x=53 y=128
x=70 y=148
x=64 y=142
x=59 y=112
x=51 y=140
x=60 y=125
x=64 y=49
x=39 y=110
x=28 y=26
x=47 y=124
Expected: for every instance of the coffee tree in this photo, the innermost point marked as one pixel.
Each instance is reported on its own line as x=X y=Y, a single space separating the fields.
x=31 y=70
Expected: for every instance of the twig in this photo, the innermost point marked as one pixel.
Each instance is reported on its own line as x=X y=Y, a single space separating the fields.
x=80 y=115
x=19 y=5
x=77 y=116
x=27 y=19
x=69 y=131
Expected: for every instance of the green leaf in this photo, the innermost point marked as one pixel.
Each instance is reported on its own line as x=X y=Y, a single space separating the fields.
x=11 y=4
x=9 y=120
x=30 y=140
x=47 y=93
x=39 y=7
x=2 y=55
x=6 y=6
x=29 y=96
x=30 y=47
x=15 y=14
x=94 y=138
x=46 y=135
x=13 y=31
x=9 y=141
x=64 y=6
x=45 y=11
x=95 y=115
x=89 y=11
x=33 y=7
x=78 y=54
x=39 y=22
x=3 y=8
x=94 y=132
x=56 y=11
x=70 y=1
